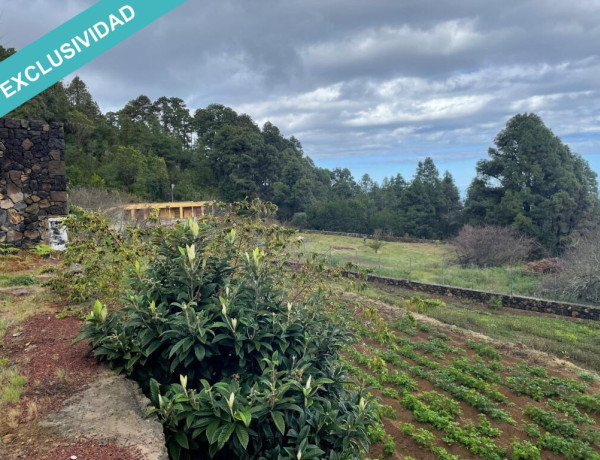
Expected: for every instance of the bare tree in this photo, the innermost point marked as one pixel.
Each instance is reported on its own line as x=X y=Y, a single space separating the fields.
x=107 y=201
x=492 y=246
x=580 y=274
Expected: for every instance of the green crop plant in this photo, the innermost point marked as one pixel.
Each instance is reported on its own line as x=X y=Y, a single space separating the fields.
x=524 y=450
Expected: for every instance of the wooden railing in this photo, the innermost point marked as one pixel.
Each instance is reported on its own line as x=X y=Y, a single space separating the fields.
x=177 y=210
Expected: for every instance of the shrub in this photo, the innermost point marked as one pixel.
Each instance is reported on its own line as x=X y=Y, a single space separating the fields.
x=376 y=243
x=491 y=246
x=235 y=367
x=551 y=265
x=103 y=253
x=299 y=220
x=580 y=275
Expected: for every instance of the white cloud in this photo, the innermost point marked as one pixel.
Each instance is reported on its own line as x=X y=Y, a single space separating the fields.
x=357 y=79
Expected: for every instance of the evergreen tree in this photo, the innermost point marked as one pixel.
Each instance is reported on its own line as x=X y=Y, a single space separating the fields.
x=534 y=183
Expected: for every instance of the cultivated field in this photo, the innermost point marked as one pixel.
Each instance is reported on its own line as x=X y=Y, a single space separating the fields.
x=431 y=263
x=454 y=394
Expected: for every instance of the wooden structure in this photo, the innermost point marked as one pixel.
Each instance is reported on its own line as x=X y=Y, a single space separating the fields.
x=179 y=210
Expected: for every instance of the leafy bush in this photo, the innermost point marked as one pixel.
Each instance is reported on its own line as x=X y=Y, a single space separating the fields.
x=235 y=366
x=103 y=253
x=299 y=220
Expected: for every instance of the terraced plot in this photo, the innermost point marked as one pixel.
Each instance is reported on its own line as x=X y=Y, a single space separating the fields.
x=447 y=396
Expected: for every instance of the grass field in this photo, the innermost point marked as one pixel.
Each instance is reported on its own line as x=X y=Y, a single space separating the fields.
x=431 y=263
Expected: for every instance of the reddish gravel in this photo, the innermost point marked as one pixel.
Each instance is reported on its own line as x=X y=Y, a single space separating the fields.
x=55 y=370
x=87 y=450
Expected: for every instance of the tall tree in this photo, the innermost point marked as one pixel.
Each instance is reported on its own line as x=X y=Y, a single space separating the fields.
x=81 y=100
x=533 y=182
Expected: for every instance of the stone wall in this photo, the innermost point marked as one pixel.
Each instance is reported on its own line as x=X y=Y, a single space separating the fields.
x=392 y=239
x=33 y=185
x=508 y=301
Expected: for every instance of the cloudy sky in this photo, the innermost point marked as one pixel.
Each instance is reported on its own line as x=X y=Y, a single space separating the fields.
x=373 y=85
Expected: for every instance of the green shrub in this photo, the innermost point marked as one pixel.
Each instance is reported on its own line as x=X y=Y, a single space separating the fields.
x=42 y=250
x=17 y=280
x=103 y=253
x=235 y=366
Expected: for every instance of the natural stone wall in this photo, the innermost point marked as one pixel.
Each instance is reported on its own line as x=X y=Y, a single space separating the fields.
x=33 y=185
x=509 y=301
x=392 y=239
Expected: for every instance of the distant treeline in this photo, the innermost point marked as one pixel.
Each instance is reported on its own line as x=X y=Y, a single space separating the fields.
x=532 y=181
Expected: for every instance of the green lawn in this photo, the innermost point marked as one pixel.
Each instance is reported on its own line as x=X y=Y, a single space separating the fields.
x=431 y=263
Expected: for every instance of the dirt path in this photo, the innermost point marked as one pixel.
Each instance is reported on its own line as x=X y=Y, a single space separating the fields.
x=70 y=407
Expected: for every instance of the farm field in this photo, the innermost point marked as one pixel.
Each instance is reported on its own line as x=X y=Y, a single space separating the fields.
x=451 y=394
x=566 y=338
x=430 y=263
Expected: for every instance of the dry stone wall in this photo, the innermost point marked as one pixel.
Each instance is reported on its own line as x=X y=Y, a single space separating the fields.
x=33 y=184
x=508 y=301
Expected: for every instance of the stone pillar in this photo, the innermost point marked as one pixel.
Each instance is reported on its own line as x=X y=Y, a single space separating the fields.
x=33 y=184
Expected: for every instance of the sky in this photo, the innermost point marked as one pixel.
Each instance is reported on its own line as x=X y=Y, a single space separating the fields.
x=372 y=85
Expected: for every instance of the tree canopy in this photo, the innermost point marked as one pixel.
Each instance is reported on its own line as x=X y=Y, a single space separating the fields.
x=531 y=181
x=534 y=183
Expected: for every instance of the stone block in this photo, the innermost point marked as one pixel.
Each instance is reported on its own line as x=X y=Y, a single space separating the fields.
x=20 y=206
x=57 y=168
x=55 y=143
x=32 y=209
x=12 y=124
x=14 y=193
x=36 y=125
x=15 y=176
x=14 y=217
x=27 y=144
x=59 y=197
x=13 y=236
x=32 y=235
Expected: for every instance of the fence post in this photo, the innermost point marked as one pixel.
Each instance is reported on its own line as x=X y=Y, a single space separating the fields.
x=410 y=269
x=356 y=257
x=443 y=271
x=555 y=287
x=511 y=282
x=472 y=278
x=330 y=257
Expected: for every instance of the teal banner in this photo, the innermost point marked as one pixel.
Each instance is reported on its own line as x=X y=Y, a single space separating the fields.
x=75 y=43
